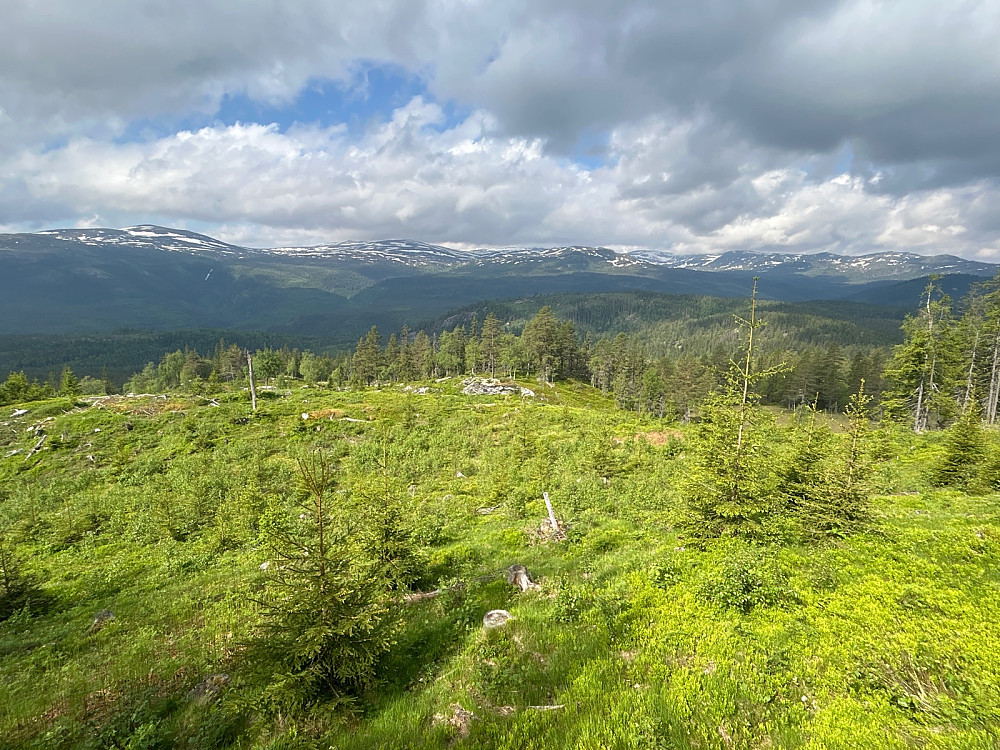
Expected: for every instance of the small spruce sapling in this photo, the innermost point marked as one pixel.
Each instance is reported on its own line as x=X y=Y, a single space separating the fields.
x=69 y=385
x=17 y=589
x=964 y=450
x=841 y=507
x=732 y=489
x=326 y=617
x=803 y=476
x=387 y=526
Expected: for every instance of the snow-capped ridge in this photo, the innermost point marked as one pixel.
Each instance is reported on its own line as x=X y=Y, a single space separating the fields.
x=892 y=265
x=409 y=252
x=147 y=236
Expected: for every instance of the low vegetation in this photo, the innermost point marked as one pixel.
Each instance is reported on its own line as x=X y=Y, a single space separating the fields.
x=182 y=571
x=399 y=560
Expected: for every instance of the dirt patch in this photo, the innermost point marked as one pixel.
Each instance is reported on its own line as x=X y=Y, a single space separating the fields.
x=146 y=404
x=326 y=414
x=660 y=438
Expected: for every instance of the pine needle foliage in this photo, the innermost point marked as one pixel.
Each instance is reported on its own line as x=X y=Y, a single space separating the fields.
x=922 y=371
x=804 y=472
x=16 y=588
x=386 y=522
x=964 y=451
x=842 y=504
x=731 y=490
x=326 y=618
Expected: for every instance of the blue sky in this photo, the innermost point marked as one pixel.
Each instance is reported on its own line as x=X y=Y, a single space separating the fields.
x=846 y=126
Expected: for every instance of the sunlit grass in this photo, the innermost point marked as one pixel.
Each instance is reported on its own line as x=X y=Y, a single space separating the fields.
x=155 y=509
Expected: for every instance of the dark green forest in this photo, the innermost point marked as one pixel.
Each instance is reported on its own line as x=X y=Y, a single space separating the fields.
x=652 y=353
x=663 y=329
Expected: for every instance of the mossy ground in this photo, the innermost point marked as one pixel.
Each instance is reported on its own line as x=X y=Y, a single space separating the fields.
x=158 y=509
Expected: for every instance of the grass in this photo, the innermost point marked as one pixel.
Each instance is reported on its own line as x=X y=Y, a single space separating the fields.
x=158 y=509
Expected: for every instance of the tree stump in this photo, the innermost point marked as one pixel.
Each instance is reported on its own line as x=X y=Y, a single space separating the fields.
x=518 y=575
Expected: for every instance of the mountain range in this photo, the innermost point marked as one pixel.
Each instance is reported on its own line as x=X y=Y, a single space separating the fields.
x=151 y=277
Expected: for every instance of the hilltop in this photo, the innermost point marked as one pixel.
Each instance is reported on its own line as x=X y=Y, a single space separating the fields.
x=165 y=512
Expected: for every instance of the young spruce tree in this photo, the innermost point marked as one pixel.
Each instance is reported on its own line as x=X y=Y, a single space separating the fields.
x=965 y=449
x=840 y=505
x=326 y=617
x=803 y=474
x=731 y=490
x=922 y=372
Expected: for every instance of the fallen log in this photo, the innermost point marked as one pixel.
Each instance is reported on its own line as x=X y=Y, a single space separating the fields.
x=517 y=575
x=37 y=447
x=422 y=596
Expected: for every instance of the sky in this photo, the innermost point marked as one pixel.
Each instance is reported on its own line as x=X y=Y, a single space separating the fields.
x=847 y=126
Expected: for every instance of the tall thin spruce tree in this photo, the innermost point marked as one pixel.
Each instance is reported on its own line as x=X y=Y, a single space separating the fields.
x=923 y=368
x=732 y=488
x=991 y=331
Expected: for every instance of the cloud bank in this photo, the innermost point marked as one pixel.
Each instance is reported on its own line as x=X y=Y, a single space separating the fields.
x=848 y=126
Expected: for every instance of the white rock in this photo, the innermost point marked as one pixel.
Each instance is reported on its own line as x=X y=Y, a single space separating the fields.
x=496 y=618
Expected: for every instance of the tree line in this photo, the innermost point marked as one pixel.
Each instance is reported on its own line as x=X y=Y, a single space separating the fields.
x=948 y=363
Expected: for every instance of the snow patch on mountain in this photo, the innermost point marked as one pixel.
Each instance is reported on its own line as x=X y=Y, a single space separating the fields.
x=412 y=253
x=407 y=252
x=146 y=236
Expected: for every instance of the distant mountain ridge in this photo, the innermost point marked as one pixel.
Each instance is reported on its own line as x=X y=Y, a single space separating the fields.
x=157 y=278
x=885 y=265
x=869 y=267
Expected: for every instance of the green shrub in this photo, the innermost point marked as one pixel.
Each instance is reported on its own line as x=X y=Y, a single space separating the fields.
x=747 y=578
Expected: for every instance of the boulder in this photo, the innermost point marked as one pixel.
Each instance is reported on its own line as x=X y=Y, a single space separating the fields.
x=491 y=387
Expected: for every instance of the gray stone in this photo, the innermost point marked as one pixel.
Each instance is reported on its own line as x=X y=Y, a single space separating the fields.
x=209 y=689
x=496 y=618
x=490 y=387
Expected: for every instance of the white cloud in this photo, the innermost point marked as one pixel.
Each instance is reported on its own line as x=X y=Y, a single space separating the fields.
x=725 y=122
x=468 y=185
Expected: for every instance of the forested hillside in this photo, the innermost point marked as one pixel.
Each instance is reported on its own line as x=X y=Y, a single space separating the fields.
x=847 y=339
x=92 y=281
x=700 y=324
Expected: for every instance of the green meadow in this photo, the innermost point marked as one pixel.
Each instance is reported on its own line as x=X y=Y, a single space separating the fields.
x=181 y=571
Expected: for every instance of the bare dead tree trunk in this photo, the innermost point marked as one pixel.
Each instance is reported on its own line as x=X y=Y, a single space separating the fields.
x=994 y=392
x=746 y=373
x=972 y=372
x=253 y=388
x=920 y=419
x=552 y=514
x=917 y=425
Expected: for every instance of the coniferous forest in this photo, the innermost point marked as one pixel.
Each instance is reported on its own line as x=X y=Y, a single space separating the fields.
x=743 y=525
